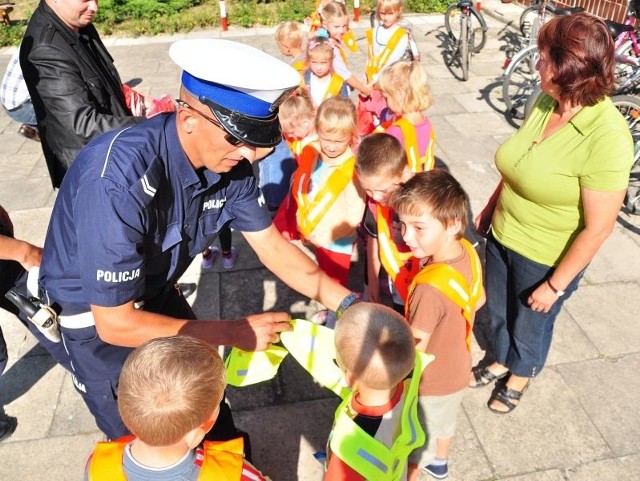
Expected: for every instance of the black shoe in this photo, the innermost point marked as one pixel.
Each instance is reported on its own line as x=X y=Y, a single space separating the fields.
x=8 y=425
x=187 y=288
x=29 y=132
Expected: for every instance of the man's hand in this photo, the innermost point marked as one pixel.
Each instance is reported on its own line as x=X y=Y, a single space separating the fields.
x=257 y=331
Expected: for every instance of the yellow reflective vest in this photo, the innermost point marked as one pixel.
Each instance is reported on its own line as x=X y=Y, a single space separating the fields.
x=223 y=460
x=450 y=282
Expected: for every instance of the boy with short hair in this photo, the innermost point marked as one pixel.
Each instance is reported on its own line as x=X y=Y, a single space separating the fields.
x=381 y=166
x=375 y=350
x=290 y=37
x=443 y=299
x=169 y=394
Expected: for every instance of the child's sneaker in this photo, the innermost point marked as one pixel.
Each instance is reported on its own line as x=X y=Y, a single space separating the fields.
x=438 y=471
x=209 y=257
x=228 y=261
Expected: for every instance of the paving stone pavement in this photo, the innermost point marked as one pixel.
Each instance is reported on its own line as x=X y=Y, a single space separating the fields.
x=579 y=420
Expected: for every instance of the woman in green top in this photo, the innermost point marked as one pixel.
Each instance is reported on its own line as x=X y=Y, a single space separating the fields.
x=564 y=176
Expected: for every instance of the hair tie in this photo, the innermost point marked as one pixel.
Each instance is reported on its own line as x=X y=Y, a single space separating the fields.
x=322 y=33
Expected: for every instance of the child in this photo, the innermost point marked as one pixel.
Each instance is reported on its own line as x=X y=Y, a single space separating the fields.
x=315 y=24
x=229 y=253
x=297 y=117
x=329 y=203
x=168 y=396
x=381 y=166
x=289 y=37
x=388 y=42
x=443 y=299
x=319 y=77
x=375 y=350
x=335 y=20
x=404 y=87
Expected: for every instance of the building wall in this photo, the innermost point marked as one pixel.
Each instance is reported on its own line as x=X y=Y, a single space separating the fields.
x=610 y=9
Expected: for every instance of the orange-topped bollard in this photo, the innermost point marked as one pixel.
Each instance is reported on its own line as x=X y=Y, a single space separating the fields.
x=223 y=16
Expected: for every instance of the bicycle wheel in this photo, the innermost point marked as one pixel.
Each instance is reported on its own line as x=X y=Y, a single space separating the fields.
x=452 y=24
x=629 y=107
x=463 y=46
x=519 y=82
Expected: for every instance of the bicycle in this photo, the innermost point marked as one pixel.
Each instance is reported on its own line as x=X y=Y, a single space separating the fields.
x=629 y=107
x=521 y=76
x=529 y=24
x=464 y=37
x=453 y=25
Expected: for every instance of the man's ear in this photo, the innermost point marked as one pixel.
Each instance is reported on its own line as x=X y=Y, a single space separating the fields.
x=186 y=120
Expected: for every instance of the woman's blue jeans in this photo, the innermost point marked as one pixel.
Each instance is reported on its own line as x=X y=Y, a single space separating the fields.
x=521 y=336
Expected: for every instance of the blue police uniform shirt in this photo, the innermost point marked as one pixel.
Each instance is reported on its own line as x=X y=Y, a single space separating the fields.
x=132 y=213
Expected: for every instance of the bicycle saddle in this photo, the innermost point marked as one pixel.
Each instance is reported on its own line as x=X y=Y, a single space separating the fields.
x=563 y=11
x=465 y=4
x=616 y=28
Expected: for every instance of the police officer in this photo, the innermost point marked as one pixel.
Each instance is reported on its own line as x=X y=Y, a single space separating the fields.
x=138 y=204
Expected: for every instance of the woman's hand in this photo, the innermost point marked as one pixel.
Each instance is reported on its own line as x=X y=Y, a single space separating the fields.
x=483 y=221
x=542 y=298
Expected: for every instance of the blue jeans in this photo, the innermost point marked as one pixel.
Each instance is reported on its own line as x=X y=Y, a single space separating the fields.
x=24 y=114
x=275 y=175
x=521 y=336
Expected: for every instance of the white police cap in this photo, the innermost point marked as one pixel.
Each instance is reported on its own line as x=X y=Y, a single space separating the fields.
x=243 y=86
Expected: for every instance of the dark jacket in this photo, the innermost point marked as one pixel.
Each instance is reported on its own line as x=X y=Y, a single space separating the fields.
x=74 y=86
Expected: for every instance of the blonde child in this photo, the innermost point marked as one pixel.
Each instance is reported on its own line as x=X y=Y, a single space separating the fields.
x=375 y=350
x=290 y=37
x=443 y=299
x=388 y=42
x=381 y=167
x=319 y=77
x=297 y=121
x=335 y=21
x=315 y=24
x=329 y=202
x=404 y=87
x=297 y=116
x=168 y=396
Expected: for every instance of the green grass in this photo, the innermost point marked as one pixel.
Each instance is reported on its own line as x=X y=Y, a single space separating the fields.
x=152 y=17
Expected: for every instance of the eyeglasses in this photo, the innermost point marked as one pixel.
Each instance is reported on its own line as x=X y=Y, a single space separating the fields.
x=228 y=137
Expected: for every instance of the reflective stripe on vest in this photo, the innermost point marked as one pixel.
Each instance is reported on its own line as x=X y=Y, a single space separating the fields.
x=371 y=458
x=450 y=282
x=310 y=212
x=375 y=64
x=222 y=460
x=402 y=267
x=416 y=162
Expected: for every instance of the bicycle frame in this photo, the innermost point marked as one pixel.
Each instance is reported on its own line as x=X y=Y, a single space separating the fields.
x=629 y=39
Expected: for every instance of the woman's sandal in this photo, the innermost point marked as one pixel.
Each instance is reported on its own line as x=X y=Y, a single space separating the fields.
x=483 y=376
x=506 y=396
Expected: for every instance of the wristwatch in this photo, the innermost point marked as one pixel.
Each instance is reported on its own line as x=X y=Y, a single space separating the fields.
x=557 y=292
x=347 y=302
